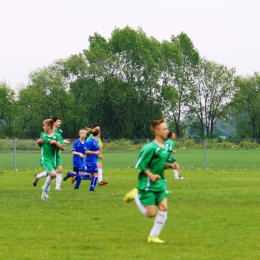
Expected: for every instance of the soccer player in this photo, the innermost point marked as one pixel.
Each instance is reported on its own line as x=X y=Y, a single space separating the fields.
x=151 y=191
x=56 y=128
x=170 y=150
x=51 y=143
x=79 y=150
x=99 y=159
x=93 y=152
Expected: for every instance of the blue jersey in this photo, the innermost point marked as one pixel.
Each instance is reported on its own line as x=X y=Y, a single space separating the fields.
x=93 y=146
x=79 y=147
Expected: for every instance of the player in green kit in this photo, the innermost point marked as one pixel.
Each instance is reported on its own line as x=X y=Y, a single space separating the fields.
x=56 y=129
x=51 y=143
x=151 y=191
x=169 y=143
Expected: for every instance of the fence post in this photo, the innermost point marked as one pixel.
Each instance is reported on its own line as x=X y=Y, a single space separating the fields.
x=205 y=154
x=14 y=144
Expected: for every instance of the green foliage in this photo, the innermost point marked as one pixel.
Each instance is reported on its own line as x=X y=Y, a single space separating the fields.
x=189 y=144
x=248 y=145
x=122 y=145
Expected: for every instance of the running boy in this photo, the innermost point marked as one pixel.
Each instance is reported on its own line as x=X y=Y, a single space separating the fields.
x=151 y=191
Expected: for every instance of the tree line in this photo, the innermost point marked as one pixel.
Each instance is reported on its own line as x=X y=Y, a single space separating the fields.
x=125 y=82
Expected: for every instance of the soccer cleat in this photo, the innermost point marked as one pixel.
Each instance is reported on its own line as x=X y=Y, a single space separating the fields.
x=67 y=176
x=155 y=239
x=43 y=197
x=180 y=178
x=58 y=189
x=73 y=179
x=35 y=180
x=45 y=193
x=130 y=195
x=103 y=183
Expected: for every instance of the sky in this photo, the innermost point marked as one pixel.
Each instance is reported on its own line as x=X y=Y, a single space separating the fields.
x=35 y=33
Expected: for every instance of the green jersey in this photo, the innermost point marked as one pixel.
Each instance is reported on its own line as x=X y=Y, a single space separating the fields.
x=49 y=152
x=151 y=157
x=169 y=144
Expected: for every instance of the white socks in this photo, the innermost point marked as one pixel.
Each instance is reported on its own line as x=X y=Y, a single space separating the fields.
x=41 y=175
x=47 y=183
x=158 y=223
x=176 y=174
x=141 y=207
x=58 y=180
x=100 y=175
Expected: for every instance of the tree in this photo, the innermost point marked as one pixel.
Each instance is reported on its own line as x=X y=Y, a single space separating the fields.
x=184 y=83
x=215 y=89
x=247 y=105
x=7 y=99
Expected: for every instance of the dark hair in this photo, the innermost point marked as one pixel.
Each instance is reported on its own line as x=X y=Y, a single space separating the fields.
x=95 y=125
x=55 y=118
x=170 y=134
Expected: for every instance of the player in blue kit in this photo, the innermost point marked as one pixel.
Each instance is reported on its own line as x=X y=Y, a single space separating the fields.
x=93 y=153
x=79 y=150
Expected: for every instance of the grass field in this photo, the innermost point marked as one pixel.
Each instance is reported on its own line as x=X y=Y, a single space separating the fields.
x=213 y=214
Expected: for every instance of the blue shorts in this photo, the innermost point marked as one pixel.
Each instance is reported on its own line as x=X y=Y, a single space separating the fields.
x=91 y=167
x=79 y=168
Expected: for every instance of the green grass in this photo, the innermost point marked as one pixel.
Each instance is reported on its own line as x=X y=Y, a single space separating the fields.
x=212 y=214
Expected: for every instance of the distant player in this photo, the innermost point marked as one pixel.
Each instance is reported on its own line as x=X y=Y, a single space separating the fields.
x=151 y=191
x=56 y=129
x=93 y=152
x=51 y=143
x=79 y=150
x=169 y=143
x=99 y=159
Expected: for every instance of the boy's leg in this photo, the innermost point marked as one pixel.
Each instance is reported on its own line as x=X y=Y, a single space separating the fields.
x=58 y=178
x=47 y=184
x=159 y=222
x=39 y=176
x=93 y=182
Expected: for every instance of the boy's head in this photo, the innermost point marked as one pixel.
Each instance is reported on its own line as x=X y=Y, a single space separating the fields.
x=171 y=136
x=47 y=124
x=82 y=133
x=160 y=128
x=57 y=121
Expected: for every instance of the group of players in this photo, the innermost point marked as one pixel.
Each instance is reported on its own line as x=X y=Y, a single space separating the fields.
x=151 y=191
x=52 y=144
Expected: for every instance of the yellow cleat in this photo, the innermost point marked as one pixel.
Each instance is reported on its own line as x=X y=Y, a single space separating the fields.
x=155 y=239
x=130 y=195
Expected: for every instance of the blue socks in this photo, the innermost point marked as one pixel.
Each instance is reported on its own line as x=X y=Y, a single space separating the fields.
x=93 y=183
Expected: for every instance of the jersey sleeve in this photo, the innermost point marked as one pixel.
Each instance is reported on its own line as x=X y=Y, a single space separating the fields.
x=74 y=147
x=144 y=158
x=60 y=140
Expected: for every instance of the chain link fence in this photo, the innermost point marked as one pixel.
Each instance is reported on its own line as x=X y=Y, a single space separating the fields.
x=25 y=154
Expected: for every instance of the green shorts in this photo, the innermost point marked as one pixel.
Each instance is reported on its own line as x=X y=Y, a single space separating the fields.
x=152 y=198
x=49 y=166
x=58 y=161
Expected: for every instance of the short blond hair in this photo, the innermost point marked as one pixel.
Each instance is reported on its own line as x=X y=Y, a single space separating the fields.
x=48 y=122
x=156 y=123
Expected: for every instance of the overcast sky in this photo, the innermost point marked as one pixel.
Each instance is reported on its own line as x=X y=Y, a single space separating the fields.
x=34 y=33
